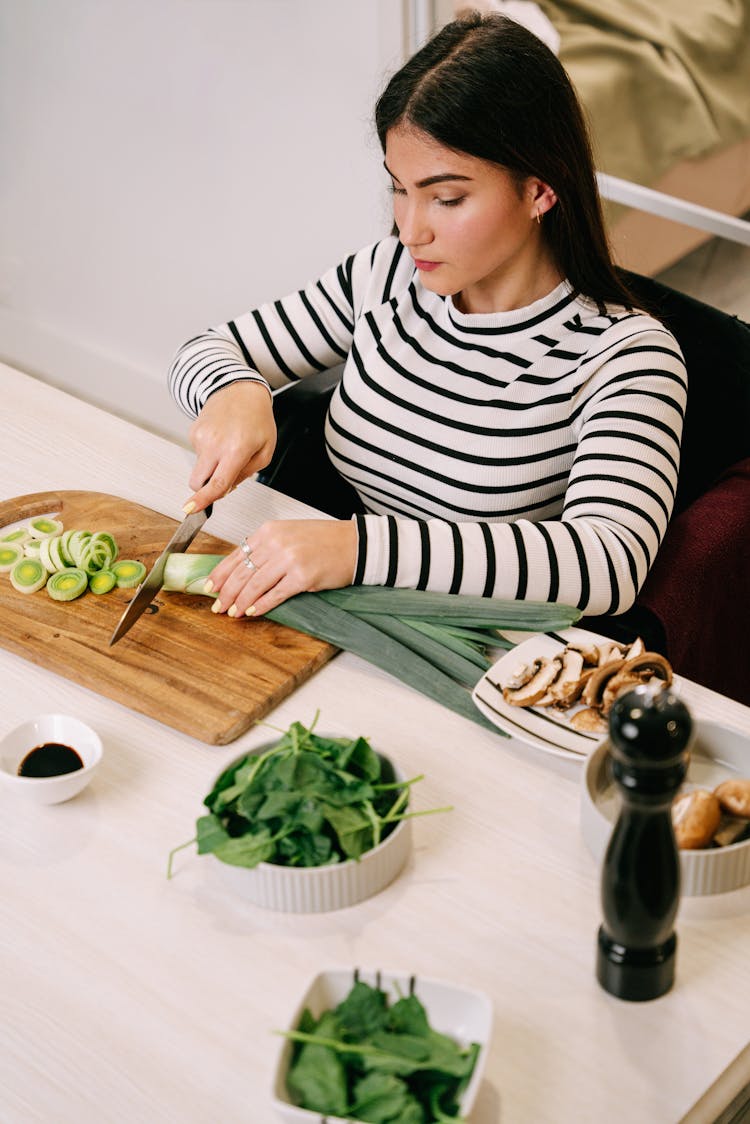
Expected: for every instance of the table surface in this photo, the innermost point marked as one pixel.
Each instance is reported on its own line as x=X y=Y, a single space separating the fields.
x=125 y=997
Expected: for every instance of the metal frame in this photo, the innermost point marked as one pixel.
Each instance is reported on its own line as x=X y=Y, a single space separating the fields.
x=677 y=210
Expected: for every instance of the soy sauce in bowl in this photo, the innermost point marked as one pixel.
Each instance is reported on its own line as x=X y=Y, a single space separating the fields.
x=52 y=759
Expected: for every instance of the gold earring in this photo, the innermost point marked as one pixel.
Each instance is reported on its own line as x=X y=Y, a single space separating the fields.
x=539 y=218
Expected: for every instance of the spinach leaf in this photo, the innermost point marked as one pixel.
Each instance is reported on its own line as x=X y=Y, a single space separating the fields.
x=360 y=756
x=363 y=1012
x=353 y=827
x=247 y=850
x=209 y=834
x=379 y=1099
x=277 y=803
x=301 y=848
x=408 y=1016
x=318 y=1081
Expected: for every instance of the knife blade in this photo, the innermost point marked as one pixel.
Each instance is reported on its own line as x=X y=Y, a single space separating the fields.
x=154 y=580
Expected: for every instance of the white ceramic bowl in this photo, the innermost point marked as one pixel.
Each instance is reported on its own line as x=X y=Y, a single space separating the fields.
x=716 y=753
x=49 y=728
x=461 y=1013
x=316 y=889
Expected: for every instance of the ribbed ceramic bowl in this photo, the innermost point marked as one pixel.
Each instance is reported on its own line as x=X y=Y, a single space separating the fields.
x=461 y=1013
x=316 y=889
x=717 y=753
x=64 y=730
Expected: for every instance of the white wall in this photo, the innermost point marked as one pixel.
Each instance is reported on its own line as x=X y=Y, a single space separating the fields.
x=167 y=164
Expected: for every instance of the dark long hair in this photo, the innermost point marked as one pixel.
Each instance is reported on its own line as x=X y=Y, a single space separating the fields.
x=486 y=86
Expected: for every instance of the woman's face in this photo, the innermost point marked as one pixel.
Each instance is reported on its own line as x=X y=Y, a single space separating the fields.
x=470 y=227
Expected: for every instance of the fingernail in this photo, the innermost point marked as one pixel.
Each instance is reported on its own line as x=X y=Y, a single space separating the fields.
x=232 y=611
x=208 y=585
x=216 y=607
x=250 y=611
x=189 y=506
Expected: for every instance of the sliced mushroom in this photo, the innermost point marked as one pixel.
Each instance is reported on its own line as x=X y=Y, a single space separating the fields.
x=530 y=693
x=609 y=652
x=523 y=673
x=588 y=721
x=652 y=663
x=568 y=686
x=634 y=671
x=622 y=681
x=589 y=652
x=577 y=691
x=594 y=689
x=636 y=648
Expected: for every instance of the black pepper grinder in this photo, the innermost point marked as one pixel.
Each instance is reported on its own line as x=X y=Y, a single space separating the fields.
x=640 y=889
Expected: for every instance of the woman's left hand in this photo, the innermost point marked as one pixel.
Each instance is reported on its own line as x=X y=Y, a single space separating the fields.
x=285 y=557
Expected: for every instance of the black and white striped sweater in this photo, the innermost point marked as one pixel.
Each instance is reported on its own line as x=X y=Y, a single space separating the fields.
x=525 y=454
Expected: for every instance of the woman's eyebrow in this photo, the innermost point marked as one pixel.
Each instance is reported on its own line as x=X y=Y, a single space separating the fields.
x=443 y=177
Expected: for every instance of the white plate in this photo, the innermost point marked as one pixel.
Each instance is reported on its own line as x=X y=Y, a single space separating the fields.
x=541 y=726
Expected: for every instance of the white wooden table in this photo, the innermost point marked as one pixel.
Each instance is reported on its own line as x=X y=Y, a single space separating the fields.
x=125 y=997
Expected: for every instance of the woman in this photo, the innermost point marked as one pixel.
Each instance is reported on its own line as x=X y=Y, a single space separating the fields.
x=510 y=423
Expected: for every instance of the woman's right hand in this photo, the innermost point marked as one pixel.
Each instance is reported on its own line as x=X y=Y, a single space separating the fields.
x=234 y=437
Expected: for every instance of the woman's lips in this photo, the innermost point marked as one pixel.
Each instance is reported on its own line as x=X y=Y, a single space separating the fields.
x=426 y=266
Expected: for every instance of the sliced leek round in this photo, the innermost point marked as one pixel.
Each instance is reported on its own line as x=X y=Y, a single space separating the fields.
x=102 y=581
x=97 y=553
x=20 y=535
x=28 y=575
x=64 y=548
x=42 y=527
x=53 y=546
x=10 y=553
x=32 y=548
x=76 y=543
x=128 y=573
x=45 y=558
x=66 y=585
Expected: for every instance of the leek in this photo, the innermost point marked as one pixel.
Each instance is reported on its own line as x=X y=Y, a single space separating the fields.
x=42 y=527
x=434 y=642
x=128 y=573
x=103 y=581
x=20 y=536
x=66 y=585
x=28 y=575
x=307 y=612
x=10 y=553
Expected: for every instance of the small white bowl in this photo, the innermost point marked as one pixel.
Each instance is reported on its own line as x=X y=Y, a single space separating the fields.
x=716 y=753
x=38 y=731
x=317 y=889
x=459 y=1012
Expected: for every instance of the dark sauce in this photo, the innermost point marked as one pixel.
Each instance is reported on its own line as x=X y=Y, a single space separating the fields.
x=50 y=760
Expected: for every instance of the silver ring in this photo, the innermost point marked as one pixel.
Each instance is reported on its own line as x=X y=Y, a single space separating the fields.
x=245 y=548
x=249 y=563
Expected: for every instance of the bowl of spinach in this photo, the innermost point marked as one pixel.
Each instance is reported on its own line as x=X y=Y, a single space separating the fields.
x=383 y=1047
x=308 y=822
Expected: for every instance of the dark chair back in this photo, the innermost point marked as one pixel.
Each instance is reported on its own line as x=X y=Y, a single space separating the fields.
x=716 y=347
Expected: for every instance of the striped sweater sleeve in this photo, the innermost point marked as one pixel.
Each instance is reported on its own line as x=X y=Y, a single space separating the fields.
x=627 y=419
x=284 y=340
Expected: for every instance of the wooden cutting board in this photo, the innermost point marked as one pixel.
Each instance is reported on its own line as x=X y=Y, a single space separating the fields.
x=200 y=672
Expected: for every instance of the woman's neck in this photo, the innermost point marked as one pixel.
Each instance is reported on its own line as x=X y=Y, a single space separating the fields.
x=514 y=289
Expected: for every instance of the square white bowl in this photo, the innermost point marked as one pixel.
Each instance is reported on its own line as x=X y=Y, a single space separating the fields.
x=462 y=1013
x=59 y=728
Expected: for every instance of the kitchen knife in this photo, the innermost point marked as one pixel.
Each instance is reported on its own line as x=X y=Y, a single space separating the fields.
x=154 y=580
